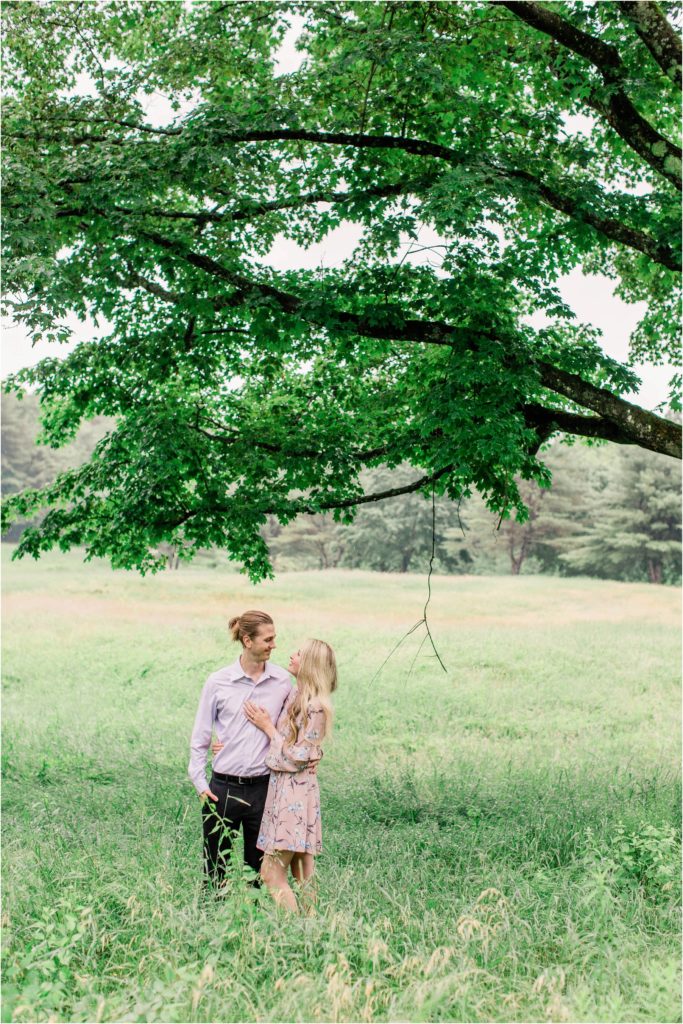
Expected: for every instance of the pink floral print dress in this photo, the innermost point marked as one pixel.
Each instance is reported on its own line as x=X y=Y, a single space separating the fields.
x=291 y=818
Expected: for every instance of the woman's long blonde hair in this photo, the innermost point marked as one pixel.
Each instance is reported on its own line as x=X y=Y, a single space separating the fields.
x=316 y=681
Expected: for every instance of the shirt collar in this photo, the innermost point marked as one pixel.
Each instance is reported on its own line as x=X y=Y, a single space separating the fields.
x=237 y=672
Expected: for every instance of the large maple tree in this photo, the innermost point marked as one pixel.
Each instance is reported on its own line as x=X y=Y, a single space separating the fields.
x=528 y=139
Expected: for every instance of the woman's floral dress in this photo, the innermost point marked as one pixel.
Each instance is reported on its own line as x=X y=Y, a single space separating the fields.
x=291 y=818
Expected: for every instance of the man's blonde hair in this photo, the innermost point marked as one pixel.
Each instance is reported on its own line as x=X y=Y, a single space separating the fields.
x=248 y=624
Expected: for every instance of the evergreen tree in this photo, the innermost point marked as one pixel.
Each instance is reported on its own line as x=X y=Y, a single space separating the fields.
x=635 y=522
x=555 y=515
x=396 y=535
x=28 y=465
x=308 y=542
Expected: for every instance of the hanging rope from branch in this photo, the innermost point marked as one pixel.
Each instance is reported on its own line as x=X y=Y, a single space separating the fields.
x=424 y=621
x=429 y=583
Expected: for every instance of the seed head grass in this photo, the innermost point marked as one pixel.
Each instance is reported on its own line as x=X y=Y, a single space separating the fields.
x=501 y=843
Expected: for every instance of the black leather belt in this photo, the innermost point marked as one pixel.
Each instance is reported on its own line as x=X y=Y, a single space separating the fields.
x=240 y=780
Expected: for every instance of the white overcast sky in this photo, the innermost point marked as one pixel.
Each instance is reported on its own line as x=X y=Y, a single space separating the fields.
x=590 y=297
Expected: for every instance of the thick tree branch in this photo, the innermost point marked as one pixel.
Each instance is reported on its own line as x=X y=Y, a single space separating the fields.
x=551 y=195
x=661 y=38
x=543 y=420
x=393 y=329
x=547 y=421
x=645 y=428
x=603 y=56
x=134 y=279
x=616 y=106
x=608 y=226
x=657 y=151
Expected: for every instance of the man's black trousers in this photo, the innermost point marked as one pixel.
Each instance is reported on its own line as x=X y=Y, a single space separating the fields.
x=238 y=806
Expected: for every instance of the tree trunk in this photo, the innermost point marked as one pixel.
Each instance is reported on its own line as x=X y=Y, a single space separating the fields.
x=516 y=563
x=517 y=560
x=405 y=559
x=654 y=570
x=534 y=500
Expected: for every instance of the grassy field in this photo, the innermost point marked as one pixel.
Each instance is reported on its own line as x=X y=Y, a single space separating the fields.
x=501 y=842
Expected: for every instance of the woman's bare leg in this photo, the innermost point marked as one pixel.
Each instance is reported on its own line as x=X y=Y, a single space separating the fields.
x=274 y=875
x=303 y=870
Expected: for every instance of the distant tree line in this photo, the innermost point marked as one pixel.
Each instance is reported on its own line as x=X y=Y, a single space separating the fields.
x=27 y=464
x=612 y=512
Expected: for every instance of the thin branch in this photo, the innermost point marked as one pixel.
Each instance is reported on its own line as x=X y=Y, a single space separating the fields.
x=615 y=106
x=396 y=647
x=256 y=209
x=423 y=641
x=382 y=495
x=124 y=123
x=363 y=499
x=423 y=621
x=457 y=512
x=229 y=438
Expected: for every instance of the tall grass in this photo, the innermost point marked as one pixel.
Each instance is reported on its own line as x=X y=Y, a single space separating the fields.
x=501 y=842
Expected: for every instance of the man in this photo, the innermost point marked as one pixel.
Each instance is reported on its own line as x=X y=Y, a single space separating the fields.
x=236 y=795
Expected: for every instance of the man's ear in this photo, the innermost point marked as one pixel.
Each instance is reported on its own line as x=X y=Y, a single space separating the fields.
x=246 y=640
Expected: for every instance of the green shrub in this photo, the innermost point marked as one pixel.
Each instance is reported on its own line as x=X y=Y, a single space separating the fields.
x=649 y=857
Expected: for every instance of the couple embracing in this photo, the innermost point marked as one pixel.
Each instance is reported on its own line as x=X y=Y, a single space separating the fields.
x=269 y=743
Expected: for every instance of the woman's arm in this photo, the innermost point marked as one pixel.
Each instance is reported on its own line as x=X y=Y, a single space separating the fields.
x=305 y=752
x=259 y=717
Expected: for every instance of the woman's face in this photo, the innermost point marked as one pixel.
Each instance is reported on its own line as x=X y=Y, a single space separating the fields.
x=293 y=666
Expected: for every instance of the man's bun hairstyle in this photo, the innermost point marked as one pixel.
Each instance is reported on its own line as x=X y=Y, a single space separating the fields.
x=248 y=624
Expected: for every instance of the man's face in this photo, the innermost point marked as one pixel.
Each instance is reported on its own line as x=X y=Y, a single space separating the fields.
x=260 y=645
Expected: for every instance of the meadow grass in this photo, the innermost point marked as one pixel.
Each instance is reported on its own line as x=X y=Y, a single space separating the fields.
x=501 y=841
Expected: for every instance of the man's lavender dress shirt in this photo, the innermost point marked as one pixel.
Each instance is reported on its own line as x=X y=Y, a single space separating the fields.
x=221 y=708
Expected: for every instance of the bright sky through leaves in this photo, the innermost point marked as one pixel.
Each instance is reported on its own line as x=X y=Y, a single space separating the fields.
x=269 y=328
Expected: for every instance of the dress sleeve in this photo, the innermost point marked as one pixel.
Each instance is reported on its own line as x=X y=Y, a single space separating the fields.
x=304 y=752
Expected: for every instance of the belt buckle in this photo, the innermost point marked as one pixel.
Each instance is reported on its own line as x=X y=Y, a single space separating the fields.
x=239 y=781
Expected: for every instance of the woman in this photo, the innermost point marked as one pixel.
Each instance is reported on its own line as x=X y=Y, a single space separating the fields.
x=290 y=834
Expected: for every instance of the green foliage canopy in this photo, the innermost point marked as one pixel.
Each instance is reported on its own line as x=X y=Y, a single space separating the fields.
x=241 y=391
